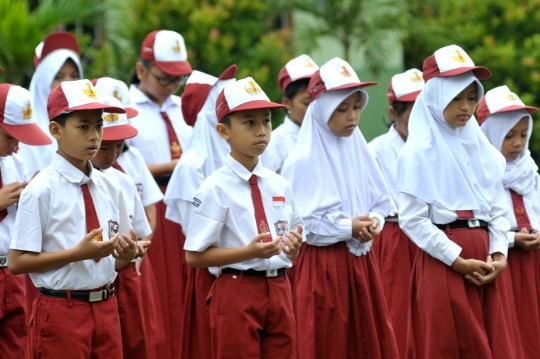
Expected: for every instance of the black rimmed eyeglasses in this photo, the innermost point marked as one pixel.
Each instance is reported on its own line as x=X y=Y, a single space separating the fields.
x=166 y=81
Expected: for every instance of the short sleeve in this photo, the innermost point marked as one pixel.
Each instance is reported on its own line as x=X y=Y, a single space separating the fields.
x=30 y=222
x=206 y=222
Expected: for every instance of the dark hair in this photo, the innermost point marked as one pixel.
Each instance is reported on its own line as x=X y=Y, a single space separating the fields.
x=62 y=118
x=399 y=108
x=295 y=87
x=134 y=79
x=226 y=120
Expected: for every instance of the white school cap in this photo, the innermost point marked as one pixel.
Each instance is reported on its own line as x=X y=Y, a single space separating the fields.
x=500 y=99
x=301 y=67
x=16 y=116
x=167 y=50
x=115 y=125
x=450 y=61
x=198 y=88
x=334 y=75
x=56 y=41
x=405 y=87
x=107 y=86
x=242 y=95
x=78 y=95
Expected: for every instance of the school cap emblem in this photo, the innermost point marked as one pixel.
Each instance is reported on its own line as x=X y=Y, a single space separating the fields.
x=97 y=238
x=309 y=64
x=27 y=112
x=115 y=95
x=176 y=47
x=90 y=92
x=459 y=57
x=511 y=96
x=417 y=77
x=252 y=88
x=111 y=117
x=345 y=72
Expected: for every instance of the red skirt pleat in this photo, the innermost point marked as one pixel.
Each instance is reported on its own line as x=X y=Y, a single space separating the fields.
x=169 y=265
x=523 y=279
x=340 y=306
x=394 y=253
x=195 y=333
x=451 y=317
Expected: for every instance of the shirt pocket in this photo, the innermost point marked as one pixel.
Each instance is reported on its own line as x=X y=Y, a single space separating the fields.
x=279 y=221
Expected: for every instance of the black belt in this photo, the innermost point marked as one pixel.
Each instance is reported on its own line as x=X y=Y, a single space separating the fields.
x=89 y=296
x=162 y=180
x=256 y=273
x=464 y=223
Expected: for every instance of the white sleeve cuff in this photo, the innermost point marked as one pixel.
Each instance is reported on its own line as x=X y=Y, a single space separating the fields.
x=379 y=218
x=451 y=253
x=344 y=226
x=511 y=239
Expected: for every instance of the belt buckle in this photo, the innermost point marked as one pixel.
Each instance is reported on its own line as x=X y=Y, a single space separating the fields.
x=96 y=296
x=270 y=273
x=473 y=223
x=3 y=261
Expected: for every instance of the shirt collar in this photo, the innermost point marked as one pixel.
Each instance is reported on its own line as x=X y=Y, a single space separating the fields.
x=397 y=139
x=71 y=173
x=241 y=171
x=290 y=125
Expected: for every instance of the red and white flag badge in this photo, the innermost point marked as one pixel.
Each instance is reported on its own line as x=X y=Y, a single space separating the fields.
x=278 y=201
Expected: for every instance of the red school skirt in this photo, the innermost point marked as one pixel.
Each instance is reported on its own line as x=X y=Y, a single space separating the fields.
x=340 y=307
x=169 y=265
x=453 y=318
x=523 y=284
x=394 y=253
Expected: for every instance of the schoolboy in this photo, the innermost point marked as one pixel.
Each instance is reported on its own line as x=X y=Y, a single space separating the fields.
x=128 y=283
x=16 y=124
x=240 y=222
x=59 y=237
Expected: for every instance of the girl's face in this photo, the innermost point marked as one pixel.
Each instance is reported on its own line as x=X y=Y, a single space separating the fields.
x=297 y=106
x=68 y=72
x=346 y=116
x=401 y=122
x=108 y=153
x=7 y=143
x=515 y=141
x=461 y=108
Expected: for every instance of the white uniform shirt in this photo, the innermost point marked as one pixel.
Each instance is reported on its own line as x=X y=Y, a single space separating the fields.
x=416 y=218
x=134 y=205
x=52 y=217
x=223 y=214
x=282 y=143
x=385 y=150
x=132 y=162
x=13 y=170
x=532 y=205
x=152 y=140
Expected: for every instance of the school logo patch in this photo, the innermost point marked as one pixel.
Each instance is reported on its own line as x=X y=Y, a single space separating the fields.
x=345 y=71
x=511 y=96
x=115 y=94
x=253 y=89
x=459 y=57
x=176 y=48
x=111 y=117
x=417 y=77
x=131 y=219
x=27 y=112
x=89 y=91
x=196 y=202
x=281 y=227
x=113 y=228
x=309 y=64
x=139 y=189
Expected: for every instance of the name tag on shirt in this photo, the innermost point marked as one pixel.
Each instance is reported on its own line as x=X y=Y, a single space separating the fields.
x=278 y=201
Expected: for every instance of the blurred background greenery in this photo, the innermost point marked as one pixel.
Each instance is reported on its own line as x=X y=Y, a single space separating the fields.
x=378 y=37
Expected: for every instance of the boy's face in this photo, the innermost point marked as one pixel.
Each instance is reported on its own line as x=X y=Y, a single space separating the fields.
x=297 y=107
x=150 y=84
x=461 y=108
x=7 y=143
x=80 y=138
x=249 y=132
x=108 y=153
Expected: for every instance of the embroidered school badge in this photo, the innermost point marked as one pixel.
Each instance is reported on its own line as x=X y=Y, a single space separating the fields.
x=176 y=49
x=90 y=92
x=113 y=228
x=252 y=88
x=416 y=77
x=115 y=94
x=131 y=219
x=27 y=112
x=459 y=57
x=139 y=189
x=281 y=227
x=111 y=117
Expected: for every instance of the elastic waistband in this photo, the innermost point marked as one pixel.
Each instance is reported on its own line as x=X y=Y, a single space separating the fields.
x=271 y=273
x=93 y=295
x=464 y=223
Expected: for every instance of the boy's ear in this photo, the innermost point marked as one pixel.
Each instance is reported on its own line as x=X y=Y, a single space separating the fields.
x=140 y=70
x=392 y=113
x=55 y=129
x=223 y=131
x=287 y=102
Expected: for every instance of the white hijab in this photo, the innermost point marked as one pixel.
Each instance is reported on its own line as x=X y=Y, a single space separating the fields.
x=331 y=175
x=38 y=157
x=203 y=156
x=453 y=168
x=519 y=174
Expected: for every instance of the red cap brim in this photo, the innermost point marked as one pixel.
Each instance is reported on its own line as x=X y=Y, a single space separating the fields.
x=30 y=134
x=117 y=133
x=131 y=112
x=97 y=106
x=481 y=73
x=254 y=105
x=410 y=97
x=179 y=68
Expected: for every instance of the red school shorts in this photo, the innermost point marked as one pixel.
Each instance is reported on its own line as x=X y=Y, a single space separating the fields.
x=13 y=329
